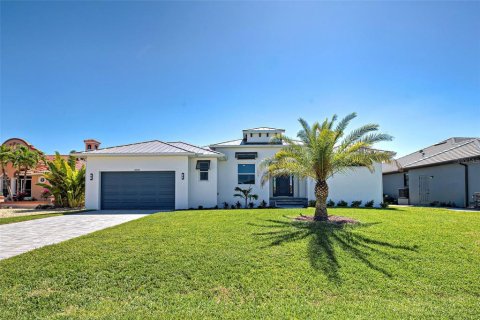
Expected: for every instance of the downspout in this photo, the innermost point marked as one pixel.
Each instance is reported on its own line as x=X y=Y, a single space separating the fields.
x=466 y=183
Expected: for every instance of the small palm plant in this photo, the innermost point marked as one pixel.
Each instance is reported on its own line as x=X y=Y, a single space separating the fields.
x=65 y=182
x=324 y=150
x=246 y=194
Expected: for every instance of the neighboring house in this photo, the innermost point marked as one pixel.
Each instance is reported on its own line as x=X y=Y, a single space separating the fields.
x=445 y=173
x=178 y=175
x=34 y=175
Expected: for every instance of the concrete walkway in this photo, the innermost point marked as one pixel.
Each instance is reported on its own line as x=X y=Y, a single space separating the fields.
x=20 y=237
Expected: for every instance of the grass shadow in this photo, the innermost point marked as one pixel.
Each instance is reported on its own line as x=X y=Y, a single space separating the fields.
x=325 y=239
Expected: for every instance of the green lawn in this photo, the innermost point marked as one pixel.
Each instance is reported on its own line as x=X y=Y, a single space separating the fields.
x=244 y=264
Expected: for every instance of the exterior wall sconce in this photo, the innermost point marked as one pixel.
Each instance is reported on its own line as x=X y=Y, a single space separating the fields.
x=183 y=176
x=91 y=176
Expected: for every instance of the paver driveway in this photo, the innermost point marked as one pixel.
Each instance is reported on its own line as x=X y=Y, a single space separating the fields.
x=20 y=237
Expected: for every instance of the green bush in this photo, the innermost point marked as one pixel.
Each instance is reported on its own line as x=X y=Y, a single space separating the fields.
x=330 y=203
x=369 y=204
x=312 y=203
x=384 y=205
x=356 y=204
x=342 y=203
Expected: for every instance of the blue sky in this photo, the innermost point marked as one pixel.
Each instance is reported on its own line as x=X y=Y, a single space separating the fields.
x=201 y=72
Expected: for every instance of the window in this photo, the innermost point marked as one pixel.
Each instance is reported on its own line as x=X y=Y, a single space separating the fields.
x=89 y=147
x=251 y=135
x=246 y=174
x=203 y=166
x=405 y=180
x=204 y=175
x=268 y=135
x=246 y=155
x=259 y=135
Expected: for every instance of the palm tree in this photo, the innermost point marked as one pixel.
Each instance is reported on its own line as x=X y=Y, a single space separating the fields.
x=245 y=194
x=25 y=159
x=65 y=182
x=324 y=150
x=6 y=156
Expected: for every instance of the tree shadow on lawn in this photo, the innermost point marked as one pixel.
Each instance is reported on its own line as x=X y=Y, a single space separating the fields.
x=324 y=239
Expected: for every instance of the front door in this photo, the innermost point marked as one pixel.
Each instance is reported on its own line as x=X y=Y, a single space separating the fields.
x=283 y=187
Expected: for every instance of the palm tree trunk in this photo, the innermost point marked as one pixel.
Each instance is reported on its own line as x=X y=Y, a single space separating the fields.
x=7 y=181
x=24 y=181
x=321 y=195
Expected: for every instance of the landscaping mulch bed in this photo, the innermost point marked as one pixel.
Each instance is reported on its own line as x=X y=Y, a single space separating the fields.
x=331 y=219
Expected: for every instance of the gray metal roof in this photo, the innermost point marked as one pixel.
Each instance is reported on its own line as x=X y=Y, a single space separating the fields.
x=194 y=149
x=264 y=129
x=153 y=147
x=453 y=149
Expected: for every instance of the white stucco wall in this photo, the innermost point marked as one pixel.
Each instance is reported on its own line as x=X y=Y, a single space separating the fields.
x=228 y=174
x=356 y=184
x=98 y=164
x=202 y=193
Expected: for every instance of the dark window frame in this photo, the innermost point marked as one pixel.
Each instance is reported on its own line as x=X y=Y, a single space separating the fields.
x=246 y=177
x=203 y=175
x=246 y=155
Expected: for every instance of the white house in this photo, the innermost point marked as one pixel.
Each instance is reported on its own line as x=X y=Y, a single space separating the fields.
x=178 y=175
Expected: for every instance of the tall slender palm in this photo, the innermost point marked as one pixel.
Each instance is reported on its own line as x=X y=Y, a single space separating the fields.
x=324 y=150
x=6 y=157
x=25 y=159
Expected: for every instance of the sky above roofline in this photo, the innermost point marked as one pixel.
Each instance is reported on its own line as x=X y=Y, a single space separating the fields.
x=201 y=72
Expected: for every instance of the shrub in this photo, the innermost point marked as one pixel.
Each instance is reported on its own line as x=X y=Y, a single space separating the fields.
x=45 y=206
x=434 y=204
x=200 y=207
x=330 y=203
x=225 y=205
x=312 y=203
x=369 y=204
x=250 y=205
x=20 y=196
x=65 y=182
x=356 y=204
x=342 y=203
x=384 y=205
x=216 y=207
x=232 y=207
x=263 y=204
x=238 y=205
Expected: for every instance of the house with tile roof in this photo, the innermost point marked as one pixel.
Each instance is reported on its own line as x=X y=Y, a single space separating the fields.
x=447 y=172
x=178 y=175
x=34 y=175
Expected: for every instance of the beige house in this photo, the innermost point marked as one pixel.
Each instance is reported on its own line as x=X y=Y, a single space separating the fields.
x=35 y=175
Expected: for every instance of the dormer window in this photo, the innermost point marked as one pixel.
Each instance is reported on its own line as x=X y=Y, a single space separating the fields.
x=89 y=147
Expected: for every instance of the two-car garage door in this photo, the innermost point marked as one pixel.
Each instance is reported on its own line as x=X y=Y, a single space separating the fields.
x=138 y=190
